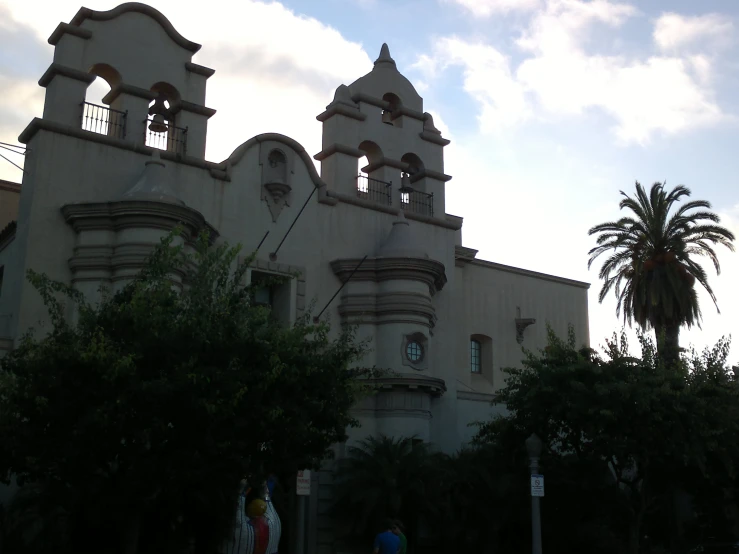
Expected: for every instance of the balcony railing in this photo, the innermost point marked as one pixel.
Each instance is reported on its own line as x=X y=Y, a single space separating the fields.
x=417 y=202
x=173 y=139
x=104 y=120
x=374 y=190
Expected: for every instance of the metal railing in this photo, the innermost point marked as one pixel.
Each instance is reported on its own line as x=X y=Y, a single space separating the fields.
x=417 y=202
x=374 y=189
x=103 y=120
x=173 y=139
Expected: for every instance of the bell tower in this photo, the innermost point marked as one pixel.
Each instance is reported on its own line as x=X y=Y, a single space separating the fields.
x=380 y=117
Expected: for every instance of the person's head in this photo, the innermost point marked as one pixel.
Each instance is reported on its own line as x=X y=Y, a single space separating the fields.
x=389 y=525
x=398 y=527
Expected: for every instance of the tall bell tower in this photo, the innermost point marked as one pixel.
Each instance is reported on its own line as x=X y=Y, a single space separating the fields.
x=381 y=116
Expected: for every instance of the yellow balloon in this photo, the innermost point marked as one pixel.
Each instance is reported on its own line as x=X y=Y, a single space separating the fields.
x=256 y=508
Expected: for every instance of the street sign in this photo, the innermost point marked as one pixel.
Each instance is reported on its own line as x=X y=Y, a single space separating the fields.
x=537 y=485
x=303 y=484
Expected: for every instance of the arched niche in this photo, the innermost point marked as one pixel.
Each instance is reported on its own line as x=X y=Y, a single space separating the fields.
x=276 y=169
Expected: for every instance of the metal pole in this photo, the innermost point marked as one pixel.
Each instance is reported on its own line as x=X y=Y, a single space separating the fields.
x=535 y=512
x=300 y=543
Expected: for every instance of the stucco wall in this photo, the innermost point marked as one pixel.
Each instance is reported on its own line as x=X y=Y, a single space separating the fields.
x=9 y=198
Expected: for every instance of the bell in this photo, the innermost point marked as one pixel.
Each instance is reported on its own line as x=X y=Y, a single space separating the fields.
x=405 y=183
x=157 y=124
x=387 y=117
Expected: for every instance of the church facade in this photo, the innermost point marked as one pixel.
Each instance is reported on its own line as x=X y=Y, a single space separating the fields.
x=103 y=183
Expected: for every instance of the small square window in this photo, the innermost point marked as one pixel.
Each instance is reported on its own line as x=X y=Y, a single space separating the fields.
x=475 y=356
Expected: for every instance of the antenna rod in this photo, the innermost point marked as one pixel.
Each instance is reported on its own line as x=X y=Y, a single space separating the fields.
x=315 y=319
x=273 y=255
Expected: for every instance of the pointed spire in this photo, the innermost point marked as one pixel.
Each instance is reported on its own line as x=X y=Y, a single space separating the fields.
x=385 y=58
x=152 y=184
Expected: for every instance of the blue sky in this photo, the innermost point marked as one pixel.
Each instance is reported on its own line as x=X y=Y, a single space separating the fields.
x=552 y=106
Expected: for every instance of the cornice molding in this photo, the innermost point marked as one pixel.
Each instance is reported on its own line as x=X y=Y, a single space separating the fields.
x=435 y=138
x=338 y=148
x=131 y=90
x=67 y=29
x=528 y=273
x=431 y=385
x=427 y=271
x=10 y=186
x=124 y=214
x=341 y=109
x=388 y=307
x=428 y=173
x=199 y=69
x=58 y=69
x=185 y=106
x=217 y=171
x=475 y=396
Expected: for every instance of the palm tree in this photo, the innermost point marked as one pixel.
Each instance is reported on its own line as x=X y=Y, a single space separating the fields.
x=652 y=265
x=383 y=477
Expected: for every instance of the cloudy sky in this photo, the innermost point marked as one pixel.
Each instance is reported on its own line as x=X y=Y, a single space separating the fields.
x=552 y=106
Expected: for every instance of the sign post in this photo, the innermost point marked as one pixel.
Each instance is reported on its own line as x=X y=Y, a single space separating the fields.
x=302 y=491
x=537 y=485
x=303 y=483
x=533 y=446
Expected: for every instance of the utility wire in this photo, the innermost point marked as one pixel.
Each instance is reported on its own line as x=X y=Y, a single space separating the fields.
x=11 y=162
x=13 y=151
x=6 y=144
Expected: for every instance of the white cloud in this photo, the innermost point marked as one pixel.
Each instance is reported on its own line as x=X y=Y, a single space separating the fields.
x=486 y=8
x=645 y=96
x=487 y=78
x=673 y=32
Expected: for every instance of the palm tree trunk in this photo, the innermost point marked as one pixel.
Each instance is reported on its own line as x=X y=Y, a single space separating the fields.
x=668 y=343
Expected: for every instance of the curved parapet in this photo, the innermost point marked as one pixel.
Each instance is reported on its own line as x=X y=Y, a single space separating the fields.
x=284 y=140
x=137 y=7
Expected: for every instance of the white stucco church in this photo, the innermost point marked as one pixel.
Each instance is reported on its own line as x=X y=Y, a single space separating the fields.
x=102 y=184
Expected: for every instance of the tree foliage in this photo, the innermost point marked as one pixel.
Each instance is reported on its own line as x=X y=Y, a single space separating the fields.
x=139 y=418
x=652 y=265
x=627 y=434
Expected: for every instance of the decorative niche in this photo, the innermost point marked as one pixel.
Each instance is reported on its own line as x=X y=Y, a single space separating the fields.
x=277 y=163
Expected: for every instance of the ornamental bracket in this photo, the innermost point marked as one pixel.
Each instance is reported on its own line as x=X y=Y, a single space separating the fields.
x=521 y=325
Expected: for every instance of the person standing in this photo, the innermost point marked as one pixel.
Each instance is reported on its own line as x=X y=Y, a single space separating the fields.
x=399 y=530
x=387 y=542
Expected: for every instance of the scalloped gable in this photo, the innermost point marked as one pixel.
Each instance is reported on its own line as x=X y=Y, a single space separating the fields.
x=137 y=7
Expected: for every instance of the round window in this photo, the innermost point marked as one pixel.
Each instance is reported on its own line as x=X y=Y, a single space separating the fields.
x=414 y=351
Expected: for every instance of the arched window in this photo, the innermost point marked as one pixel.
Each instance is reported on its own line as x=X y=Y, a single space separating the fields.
x=96 y=116
x=475 y=356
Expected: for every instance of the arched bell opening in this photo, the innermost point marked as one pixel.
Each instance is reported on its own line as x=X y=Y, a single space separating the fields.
x=162 y=131
x=97 y=116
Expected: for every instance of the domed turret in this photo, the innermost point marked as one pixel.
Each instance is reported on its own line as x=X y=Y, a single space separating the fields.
x=153 y=184
x=401 y=242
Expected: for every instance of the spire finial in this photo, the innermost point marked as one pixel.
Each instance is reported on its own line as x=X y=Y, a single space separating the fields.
x=385 y=56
